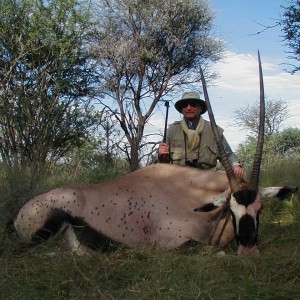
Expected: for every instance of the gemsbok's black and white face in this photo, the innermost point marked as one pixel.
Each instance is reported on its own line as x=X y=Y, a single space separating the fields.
x=245 y=206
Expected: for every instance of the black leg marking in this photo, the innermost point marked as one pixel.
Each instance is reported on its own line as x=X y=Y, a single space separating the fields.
x=85 y=234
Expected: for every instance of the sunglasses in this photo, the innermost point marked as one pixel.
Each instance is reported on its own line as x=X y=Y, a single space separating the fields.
x=192 y=104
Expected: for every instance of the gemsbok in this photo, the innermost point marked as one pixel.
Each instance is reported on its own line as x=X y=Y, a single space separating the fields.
x=164 y=205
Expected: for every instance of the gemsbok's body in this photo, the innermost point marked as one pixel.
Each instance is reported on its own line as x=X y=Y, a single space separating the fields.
x=163 y=205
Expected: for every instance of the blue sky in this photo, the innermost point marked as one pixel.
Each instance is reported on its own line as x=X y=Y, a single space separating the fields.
x=237 y=21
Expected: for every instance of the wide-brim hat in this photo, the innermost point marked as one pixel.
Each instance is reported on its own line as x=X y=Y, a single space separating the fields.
x=188 y=97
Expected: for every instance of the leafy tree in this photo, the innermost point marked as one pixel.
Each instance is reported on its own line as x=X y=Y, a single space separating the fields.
x=90 y=164
x=145 y=50
x=248 y=117
x=245 y=151
x=278 y=146
x=288 y=143
x=44 y=75
x=99 y=157
x=291 y=31
x=111 y=138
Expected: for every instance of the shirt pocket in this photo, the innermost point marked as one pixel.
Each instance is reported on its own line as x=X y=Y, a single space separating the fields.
x=208 y=155
x=177 y=154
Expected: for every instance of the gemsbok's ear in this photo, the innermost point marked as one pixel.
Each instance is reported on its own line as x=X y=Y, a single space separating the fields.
x=217 y=201
x=277 y=193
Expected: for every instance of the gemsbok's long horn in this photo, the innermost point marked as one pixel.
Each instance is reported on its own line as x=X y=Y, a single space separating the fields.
x=254 y=179
x=223 y=155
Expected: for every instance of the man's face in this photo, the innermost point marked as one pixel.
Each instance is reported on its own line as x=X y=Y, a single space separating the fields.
x=191 y=110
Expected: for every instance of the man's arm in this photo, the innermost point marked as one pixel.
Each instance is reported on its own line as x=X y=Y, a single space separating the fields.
x=237 y=168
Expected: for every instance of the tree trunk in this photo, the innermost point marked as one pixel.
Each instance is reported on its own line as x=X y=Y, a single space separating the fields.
x=134 y=159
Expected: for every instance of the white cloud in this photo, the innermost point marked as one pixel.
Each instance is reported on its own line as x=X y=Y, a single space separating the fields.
x=238 y=86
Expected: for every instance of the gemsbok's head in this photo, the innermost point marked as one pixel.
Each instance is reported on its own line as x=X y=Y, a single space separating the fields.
x=244 y=201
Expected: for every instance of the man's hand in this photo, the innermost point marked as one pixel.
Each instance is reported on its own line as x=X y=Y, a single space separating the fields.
x=238 y=171
x=163 y=148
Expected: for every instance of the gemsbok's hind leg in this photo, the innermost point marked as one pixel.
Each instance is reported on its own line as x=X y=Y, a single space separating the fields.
x=71 y=241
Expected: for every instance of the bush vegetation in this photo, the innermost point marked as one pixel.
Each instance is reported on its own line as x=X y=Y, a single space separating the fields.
x=48 y=272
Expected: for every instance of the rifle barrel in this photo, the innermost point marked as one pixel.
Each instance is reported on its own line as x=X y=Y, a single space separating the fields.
x=165 y=158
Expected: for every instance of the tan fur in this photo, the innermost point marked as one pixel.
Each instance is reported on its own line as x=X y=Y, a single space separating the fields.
x=154 y=205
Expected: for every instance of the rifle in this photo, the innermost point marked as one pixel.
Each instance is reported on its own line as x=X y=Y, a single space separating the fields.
x=165 y=158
